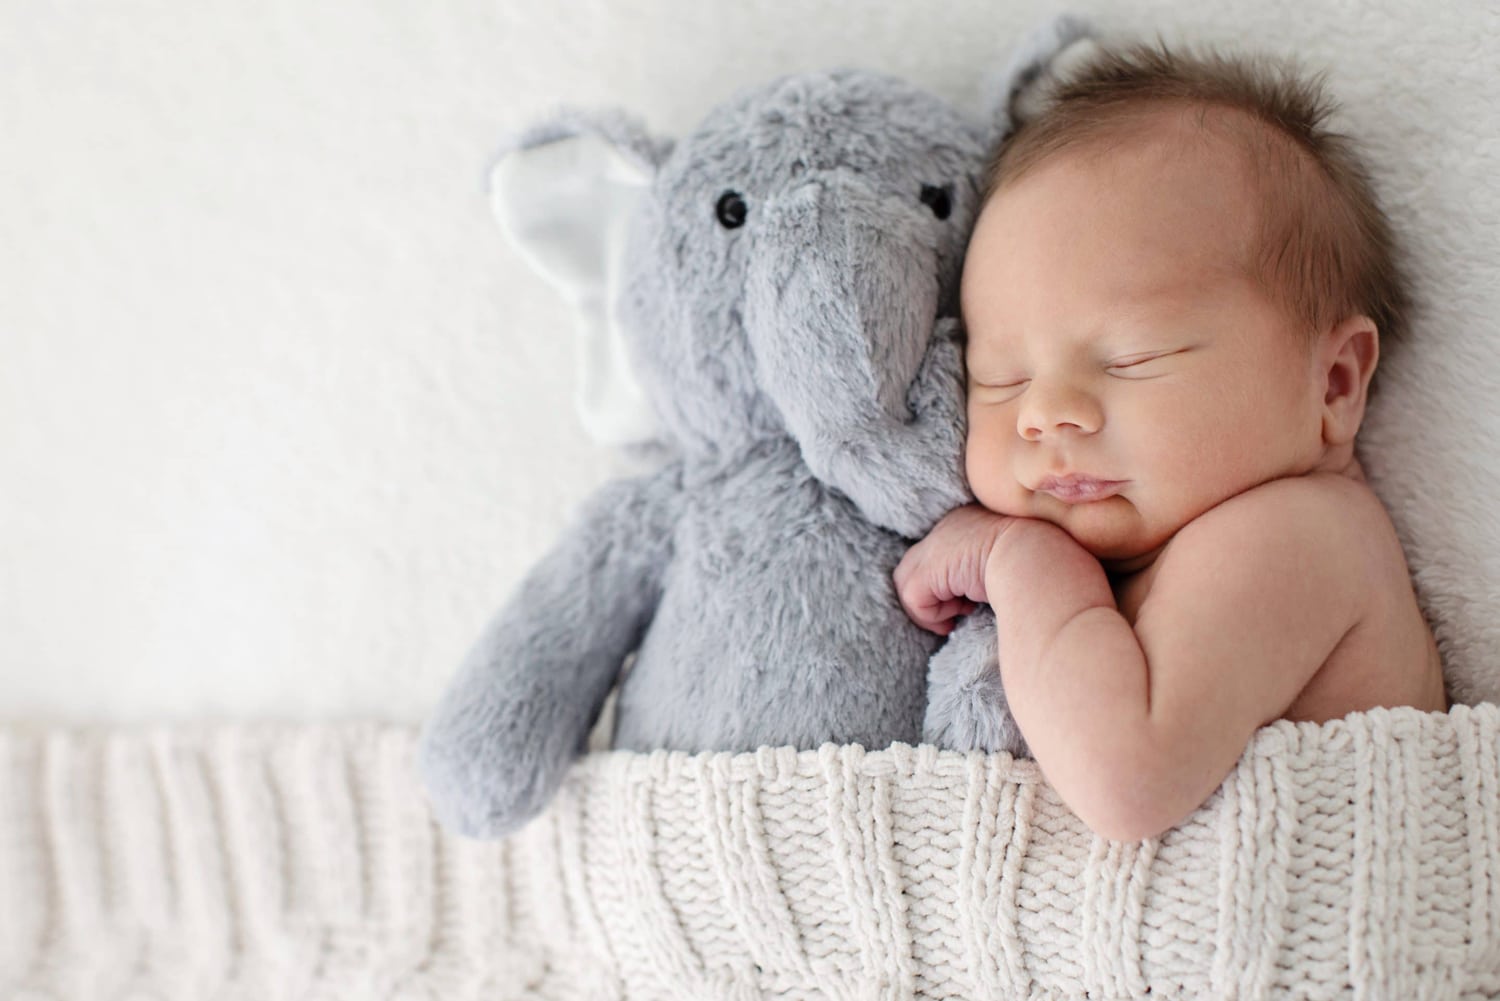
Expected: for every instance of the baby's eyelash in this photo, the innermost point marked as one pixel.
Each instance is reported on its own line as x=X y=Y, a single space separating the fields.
x=1131 y=362
x=1137 y=361
x=1127 y=362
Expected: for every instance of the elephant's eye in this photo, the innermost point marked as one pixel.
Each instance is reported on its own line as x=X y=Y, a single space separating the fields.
x=730 y=210
x=940 y=200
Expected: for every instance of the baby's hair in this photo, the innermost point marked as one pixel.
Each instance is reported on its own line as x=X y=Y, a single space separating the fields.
x=1326 y=250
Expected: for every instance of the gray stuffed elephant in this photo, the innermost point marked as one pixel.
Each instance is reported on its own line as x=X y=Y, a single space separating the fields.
x=771 y=303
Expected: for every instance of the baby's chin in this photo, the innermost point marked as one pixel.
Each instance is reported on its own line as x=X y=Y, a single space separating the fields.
x=1110 y=530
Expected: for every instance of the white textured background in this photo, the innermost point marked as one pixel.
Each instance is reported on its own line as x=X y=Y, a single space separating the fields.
x=282 y=419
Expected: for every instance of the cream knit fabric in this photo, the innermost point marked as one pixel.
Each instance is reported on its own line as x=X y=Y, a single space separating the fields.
x=1359 y=859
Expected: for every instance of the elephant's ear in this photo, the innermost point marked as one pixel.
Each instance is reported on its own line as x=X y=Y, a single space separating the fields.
x=564 y=192
x=1042 y=57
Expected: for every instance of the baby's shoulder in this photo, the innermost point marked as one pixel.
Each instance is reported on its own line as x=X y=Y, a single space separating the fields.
x=1330 y=533
x=1324 y=517
x=1346 y=508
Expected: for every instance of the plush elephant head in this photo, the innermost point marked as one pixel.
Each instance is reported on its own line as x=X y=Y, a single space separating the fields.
x=813 y=226
x=780 y=272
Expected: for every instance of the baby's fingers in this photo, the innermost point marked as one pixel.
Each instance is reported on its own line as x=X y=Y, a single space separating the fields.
x=937 y=617
x=949 y=613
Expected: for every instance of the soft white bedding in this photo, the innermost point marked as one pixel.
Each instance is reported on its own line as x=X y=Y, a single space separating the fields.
x=1358 y=860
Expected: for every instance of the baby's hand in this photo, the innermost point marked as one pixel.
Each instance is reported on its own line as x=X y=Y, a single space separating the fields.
x=942 y=577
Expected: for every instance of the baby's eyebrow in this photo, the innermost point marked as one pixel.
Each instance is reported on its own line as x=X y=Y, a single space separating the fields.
x=990 y=362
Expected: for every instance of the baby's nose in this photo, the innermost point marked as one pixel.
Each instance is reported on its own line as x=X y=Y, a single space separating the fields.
x=1052 y=408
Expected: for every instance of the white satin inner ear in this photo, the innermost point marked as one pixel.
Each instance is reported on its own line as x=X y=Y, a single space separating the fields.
x=565 y=206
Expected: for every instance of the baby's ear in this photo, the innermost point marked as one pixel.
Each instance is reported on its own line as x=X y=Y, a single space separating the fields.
x=1347 y=357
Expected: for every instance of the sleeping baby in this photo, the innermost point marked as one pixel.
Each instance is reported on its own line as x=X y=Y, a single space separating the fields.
x=1175 y=296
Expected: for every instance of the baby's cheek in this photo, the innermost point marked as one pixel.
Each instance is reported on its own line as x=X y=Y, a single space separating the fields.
x=975 y=460
x=990 y=479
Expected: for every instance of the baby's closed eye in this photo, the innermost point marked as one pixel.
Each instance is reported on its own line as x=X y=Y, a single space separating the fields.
x=1143 y=364
x=1139 y=366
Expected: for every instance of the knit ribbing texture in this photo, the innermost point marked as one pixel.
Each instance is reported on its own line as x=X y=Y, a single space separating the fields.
x=1356 y=859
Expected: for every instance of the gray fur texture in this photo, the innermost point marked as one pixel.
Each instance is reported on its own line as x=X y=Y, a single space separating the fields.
x=807 y=367
x=966 y=705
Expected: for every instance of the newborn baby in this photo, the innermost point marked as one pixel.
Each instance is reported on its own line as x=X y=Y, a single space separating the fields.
x=1174 y=297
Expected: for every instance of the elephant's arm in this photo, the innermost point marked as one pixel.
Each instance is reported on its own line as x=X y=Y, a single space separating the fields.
x=966 y=705
x=521 y=705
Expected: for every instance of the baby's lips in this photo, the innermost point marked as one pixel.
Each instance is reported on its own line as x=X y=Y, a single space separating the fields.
x=1074 y=488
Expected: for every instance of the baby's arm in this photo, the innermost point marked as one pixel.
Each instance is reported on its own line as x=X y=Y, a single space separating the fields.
x=1135 y=728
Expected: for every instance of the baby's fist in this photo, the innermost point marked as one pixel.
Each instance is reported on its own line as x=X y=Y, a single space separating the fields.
x=941 y=578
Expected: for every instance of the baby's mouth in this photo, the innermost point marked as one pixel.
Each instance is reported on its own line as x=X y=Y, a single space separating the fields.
x=1079 y=489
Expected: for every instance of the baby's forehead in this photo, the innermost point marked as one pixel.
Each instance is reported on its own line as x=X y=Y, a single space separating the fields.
x=1074 y=312
x=1229 y=192
x=1185 y=307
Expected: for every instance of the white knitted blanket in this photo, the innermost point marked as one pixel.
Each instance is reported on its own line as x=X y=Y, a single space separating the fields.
x=1357 y=859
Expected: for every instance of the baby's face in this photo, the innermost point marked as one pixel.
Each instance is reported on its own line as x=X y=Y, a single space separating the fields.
x=1114 y=340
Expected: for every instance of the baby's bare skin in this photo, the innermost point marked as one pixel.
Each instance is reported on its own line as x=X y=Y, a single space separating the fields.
x=1373 y=664
x=1175 y=530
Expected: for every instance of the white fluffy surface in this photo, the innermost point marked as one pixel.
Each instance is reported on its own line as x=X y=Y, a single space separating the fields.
x=282 y=419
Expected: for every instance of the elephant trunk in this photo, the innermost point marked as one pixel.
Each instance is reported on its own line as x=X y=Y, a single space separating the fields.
x=842 y=296
x=841 y=316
